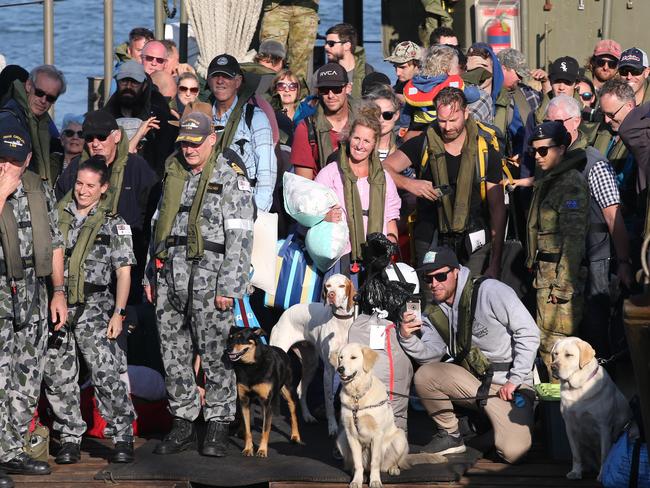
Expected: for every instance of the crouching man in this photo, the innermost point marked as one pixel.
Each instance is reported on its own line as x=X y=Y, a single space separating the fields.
x=475 y=339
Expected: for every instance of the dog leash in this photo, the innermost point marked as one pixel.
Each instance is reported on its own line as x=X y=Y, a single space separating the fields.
x=517 y=398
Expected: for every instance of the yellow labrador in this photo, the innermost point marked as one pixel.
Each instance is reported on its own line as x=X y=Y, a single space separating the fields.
x=370 y=440
x=593 y=408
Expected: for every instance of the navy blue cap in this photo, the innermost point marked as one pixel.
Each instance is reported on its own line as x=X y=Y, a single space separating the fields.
x=554 y=130
x=438 y=257
x=14 y=139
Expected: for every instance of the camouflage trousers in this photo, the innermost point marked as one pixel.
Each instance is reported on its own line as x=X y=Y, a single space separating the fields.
x=295 y=27
x=21 y=370
x=105 y=361
x=556 y=321
x=205 y=334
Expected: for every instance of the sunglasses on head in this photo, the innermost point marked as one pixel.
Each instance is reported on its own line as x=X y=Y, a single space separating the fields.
x=150 y=59
x=440 y=277
x=192 y=89
x=388 y=115
x=601 y=62
x=542 y=150
x=286 y=86
x=630 y=70
x=72 y=133
x=324 y=90
x=40 y=94
x=99 y=137
x=334 y=43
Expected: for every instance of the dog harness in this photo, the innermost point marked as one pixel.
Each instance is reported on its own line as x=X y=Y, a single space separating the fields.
x=356 y=408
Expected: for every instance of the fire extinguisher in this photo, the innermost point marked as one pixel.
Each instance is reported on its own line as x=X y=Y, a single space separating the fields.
x=498 y=34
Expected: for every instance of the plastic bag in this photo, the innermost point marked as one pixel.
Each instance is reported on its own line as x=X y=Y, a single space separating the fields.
x=305 y=200
x=326 y=243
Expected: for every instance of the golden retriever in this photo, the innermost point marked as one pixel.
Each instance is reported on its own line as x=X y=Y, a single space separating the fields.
x=370 y=440
x=593 y=408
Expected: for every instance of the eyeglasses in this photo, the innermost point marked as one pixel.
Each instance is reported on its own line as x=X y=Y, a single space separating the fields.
x=629 y=70
x=557 y=120
x=586 y=96
x=99 y=137
x=542 y=150
x=192 y=89
x=38 y=93
x=334 y=43
x=286 y=86
x=324 y=90
x=150 y=59
x=439 y=277
x=611 y=116
x=477 y=51
x=72 y=133
x=388 y=115
x=601 y=62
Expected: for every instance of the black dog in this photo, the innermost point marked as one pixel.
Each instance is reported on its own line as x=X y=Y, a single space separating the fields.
x=263 y=372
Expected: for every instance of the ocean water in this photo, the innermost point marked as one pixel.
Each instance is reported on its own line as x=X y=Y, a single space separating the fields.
x=78 y=38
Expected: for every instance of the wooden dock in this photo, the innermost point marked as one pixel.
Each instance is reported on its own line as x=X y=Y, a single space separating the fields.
x=537 y=472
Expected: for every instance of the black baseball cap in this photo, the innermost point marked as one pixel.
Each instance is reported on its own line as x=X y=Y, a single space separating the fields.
x=226 y=64
x=331 y=74
x=99 y=123
x=565 y=68
x=14 y=139
x=552 y=129
x=372 y=81
x=438 y=257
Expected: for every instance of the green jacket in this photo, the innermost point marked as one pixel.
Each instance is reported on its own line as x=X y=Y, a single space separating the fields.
x=121 y=53
x=361 y=69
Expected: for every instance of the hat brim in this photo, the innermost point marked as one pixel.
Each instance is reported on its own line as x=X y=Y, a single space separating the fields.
x=563 y=76
x=119 y=77
x=223 y=71
x=397 y=60
x=193 y=139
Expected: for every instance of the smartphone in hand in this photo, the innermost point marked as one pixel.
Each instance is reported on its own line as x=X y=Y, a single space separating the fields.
x=414 y=306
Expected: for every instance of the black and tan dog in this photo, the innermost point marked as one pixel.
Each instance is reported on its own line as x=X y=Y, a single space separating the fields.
x=263 y=373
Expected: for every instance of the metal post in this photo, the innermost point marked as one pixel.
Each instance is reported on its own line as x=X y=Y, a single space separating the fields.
x=353 y=14
x=108 y=47
x=523 y=23
x=607 y=19
x=182 y=34
x=159 y=19
x=48 y=31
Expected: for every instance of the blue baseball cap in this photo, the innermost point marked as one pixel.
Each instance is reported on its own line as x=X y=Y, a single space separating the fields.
x=15 y=142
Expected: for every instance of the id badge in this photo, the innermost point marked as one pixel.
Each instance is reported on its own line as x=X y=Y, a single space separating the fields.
x=377 y=337
x=477 y=239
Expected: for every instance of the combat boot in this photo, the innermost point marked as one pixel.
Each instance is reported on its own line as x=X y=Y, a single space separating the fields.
x=216 y=439
x=69 y=453
x=181 y=437
x=5 y=480
x=123 y=452
x=24 y=464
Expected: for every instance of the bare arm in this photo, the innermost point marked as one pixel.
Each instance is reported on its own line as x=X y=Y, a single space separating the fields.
x=398 y=162
x=58 y=304
x=305 y=172
x=121 y=296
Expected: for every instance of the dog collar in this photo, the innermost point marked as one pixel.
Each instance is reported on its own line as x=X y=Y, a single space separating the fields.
x=355 y=409
x=339 y=316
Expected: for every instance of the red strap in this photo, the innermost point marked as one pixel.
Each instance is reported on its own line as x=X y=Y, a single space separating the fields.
x=391 y=367
x=244 y=315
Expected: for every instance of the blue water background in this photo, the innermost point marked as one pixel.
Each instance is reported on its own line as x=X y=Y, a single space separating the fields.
x=78 y=38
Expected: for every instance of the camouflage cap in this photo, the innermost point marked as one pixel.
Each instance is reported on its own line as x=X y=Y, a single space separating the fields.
x=194 y=128
x=513 y=59
x=403 y=52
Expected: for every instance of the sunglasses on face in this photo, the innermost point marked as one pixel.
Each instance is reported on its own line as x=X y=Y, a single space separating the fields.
x=440 y=277
x=542 y=150
x=99 y=137
x=601 y=62
x=612 y=115
x=38 y=93
x=192 y=89
x=287 y=86
x=557 y=120
x=150 y=59
x=334 y=43
x=629 y=70
x=388 y=115
x=72 y=133
x=324 y=90
x=586 y=96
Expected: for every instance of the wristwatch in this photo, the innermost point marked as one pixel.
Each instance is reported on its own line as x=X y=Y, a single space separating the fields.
x=60 y=288
x=121 y=312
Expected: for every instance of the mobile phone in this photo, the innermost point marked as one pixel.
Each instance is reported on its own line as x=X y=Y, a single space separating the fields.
x=442 y=190
x=414 y=306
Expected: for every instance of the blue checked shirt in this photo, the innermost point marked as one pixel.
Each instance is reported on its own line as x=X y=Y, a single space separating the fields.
x=256 y=150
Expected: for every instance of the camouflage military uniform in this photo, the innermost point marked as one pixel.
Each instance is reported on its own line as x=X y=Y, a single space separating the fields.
x=22 y=352
x=226 y=218
x=436 y=15
x=294 y=23
x=558 y=223
x=102 y=355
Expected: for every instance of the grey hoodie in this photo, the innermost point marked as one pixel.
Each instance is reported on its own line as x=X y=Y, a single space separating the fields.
x=503 y=330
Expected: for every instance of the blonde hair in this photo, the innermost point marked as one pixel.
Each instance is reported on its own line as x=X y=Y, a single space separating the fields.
x=438 y=60
x=367 y=115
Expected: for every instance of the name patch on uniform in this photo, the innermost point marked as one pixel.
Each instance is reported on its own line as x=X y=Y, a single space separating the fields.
x=243 y=184
x=214 y=188
x=572 y=204
x=123 y=230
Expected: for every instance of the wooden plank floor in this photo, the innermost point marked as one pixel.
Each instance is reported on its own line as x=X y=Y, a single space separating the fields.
x=537 y=472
